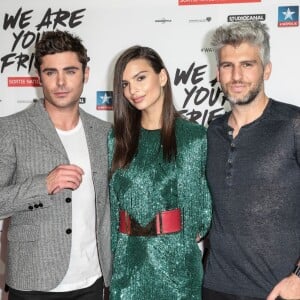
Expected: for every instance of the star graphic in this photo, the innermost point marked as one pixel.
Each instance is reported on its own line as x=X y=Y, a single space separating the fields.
x=288 y=14
x=106 y=99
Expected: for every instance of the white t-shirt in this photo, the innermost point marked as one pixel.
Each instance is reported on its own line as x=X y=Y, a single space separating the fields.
x=84 y=268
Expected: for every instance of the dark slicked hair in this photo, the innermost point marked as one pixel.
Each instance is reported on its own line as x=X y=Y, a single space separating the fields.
x=59 y=41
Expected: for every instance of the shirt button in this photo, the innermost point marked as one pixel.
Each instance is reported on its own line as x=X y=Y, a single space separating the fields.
x=36 y=206
x=68 y=231
x=41 y=204
x=228 y=174
x=30 y=207
x=68 y=200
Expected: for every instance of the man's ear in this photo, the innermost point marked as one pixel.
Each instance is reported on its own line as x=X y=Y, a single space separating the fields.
x=218 y=74
x=39 y=77
x=267 y=71
x=86 y=74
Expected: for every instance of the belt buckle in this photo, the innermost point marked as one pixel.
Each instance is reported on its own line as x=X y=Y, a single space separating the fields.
x=138 y=230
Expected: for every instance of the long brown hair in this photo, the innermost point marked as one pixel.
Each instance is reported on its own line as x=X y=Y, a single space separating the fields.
x=127 y=119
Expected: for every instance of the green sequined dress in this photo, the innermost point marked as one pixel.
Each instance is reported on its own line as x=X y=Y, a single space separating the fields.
x=163 y=267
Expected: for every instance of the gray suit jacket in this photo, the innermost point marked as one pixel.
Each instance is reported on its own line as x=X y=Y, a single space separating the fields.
x=38 y=241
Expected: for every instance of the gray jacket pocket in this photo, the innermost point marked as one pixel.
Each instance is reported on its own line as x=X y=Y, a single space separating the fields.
x=23 y=233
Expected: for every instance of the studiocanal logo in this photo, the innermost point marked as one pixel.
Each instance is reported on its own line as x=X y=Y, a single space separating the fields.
x=241 y=18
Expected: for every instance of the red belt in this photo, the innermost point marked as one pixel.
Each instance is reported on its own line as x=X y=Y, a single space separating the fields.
x=168 y=221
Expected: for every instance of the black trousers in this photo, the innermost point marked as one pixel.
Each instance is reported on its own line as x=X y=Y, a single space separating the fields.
x=208 y=294
x=94 y=292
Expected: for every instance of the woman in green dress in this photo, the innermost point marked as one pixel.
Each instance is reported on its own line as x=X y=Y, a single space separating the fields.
x=160 y=203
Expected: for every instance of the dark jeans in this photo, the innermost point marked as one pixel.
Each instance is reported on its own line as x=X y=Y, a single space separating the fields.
x=94 y=292
x=208 y=294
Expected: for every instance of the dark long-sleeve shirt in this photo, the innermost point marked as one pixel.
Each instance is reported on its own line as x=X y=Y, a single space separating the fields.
x=255 y=183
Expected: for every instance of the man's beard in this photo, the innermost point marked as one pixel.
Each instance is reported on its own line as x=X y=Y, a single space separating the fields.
x=250 y=97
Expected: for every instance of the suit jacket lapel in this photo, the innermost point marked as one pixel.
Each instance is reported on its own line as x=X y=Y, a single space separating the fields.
x=40 y=118
x=96 y=139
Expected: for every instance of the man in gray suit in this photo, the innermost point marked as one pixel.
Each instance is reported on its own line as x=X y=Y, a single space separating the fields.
x=53 y=183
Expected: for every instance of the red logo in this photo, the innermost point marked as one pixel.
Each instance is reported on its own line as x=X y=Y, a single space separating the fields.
x=199 y=2
x=23 y=81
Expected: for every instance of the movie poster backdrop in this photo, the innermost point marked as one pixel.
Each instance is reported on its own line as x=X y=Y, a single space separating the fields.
x=179 y=30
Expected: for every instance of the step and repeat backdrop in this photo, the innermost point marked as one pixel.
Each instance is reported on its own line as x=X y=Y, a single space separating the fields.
x=179 y=30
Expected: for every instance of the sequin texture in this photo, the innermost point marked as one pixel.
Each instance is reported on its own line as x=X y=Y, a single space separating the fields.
x=167 y=266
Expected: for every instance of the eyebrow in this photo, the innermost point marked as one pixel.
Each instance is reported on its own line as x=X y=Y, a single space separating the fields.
x=136 y=75
x=65 y=69
x=240 y=62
